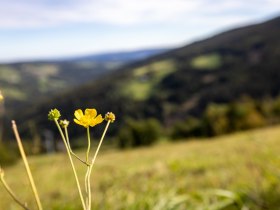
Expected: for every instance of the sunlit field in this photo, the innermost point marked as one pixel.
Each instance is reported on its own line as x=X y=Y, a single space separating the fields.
x=182 y=175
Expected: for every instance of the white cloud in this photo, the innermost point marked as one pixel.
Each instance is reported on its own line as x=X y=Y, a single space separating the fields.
x=181 y=21
x=34 y=13
x=135 y=11
x=30 y=13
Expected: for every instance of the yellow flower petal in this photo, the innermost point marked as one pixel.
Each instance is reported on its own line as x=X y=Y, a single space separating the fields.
x=78 y=114
x=96 y=120
x=77 y=121
x=99 y=119
x=81 y=123
x=91 y=113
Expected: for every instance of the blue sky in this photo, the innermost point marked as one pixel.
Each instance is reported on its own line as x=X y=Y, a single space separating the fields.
x=34 y=29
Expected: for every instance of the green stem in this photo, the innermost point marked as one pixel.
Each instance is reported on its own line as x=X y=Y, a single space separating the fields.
x=12 y=194
x=67 y=138
x=70 y=149
x=2 y=114
x=93 y=161
x=99 y=145
x=21 y=149
x=88 y=167
x=88 y=149
x=78 y=158
x=72 y=164
x=87 y=188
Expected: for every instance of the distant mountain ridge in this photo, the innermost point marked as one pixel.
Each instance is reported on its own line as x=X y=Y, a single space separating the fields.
x=123 y=56
x=120 y=56
x=22 y=81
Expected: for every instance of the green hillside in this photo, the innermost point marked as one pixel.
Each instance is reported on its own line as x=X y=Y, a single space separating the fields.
x=181 y=83
x=22 y=82
x=240 y=170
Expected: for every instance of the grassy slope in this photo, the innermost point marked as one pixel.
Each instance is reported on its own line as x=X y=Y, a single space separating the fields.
x=247 y=163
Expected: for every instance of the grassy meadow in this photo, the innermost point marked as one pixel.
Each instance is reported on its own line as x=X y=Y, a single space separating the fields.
x=241 y=168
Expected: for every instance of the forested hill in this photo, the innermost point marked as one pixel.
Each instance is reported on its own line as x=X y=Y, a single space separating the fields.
x=21 y=82
x=182 y=82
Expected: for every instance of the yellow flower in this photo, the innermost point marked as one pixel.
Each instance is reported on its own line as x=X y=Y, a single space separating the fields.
x=90 y=118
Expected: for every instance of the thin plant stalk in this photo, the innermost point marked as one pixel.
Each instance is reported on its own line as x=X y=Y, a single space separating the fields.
x=2 y=114
x=93 y=161
x=88 y=149
x=69 y=146
x=72 y=164
x=88 y=202
x=99 y=145
x=30 y=177
x=12 y=194
x=89 y=189
x=88 y=168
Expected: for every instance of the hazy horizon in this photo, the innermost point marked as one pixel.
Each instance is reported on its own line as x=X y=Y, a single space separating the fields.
x=32 y=30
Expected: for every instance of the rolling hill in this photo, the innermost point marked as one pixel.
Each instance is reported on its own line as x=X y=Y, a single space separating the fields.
x=23 y=81
x=182 y=82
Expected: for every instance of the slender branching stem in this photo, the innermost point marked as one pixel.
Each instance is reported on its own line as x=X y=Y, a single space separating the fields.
x=86 y=176
x=88 y=167
x=93 y=161
x=72 y=164
x=78 y=158
x=21 y=149
x=99 y=145
x=12 y=194
x=67 y=138
x=70 y=149
x=87 y=188
x=88 y=149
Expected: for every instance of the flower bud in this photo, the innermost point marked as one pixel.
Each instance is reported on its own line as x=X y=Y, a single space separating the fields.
x=64 y=123
x=110 y=116
x=54 y=114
